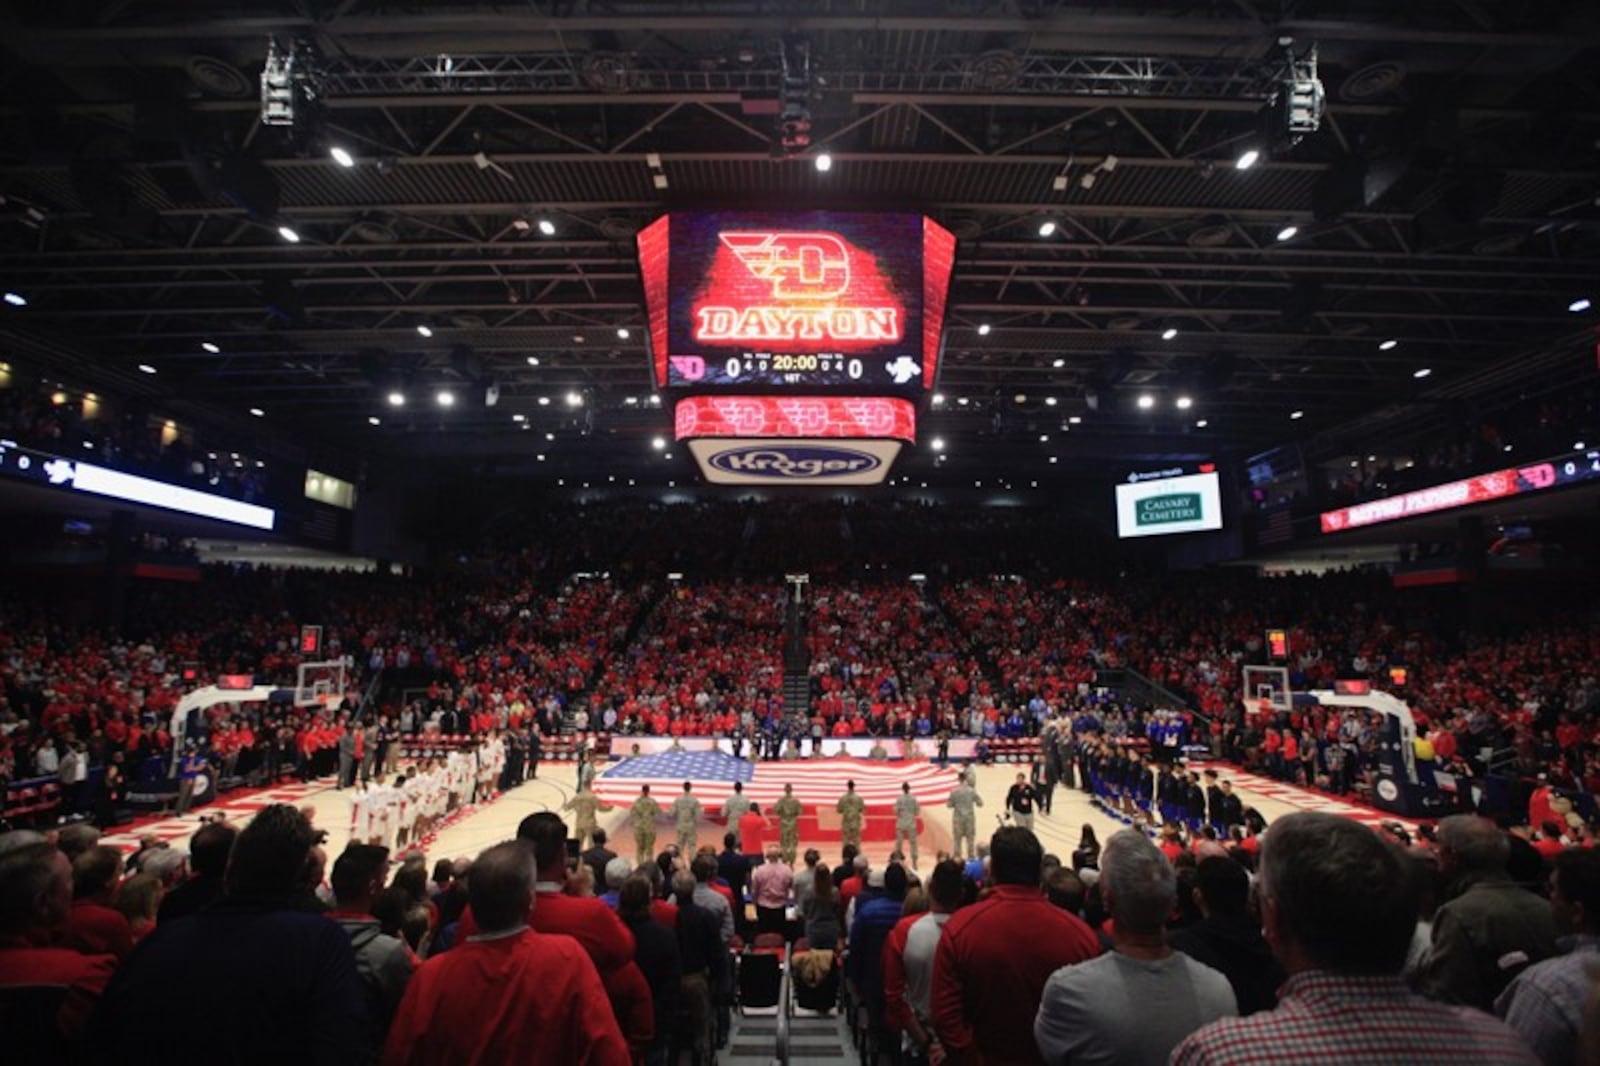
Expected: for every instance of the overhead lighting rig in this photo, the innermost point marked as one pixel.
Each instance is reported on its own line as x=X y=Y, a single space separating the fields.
x=290 y=87
x=794 y=95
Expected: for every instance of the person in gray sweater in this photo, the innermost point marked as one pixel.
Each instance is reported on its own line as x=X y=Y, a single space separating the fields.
x=1137 y=1002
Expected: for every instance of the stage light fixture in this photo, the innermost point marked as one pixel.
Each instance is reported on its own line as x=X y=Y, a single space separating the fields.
x=209 y=348
x=547 y=227
x=16 y=299
x=146 y=368
x=1046 y=228
x=1297 y=415
x=258 y=412
x=659 y=444
x=1578 y=306
x=824 y=162
x=1169 y=333
x=937 y=444
x=1421 y=372
x=1287 y=233
x=1388 y=345
x=533 y=360
x=574 y=399
x=289 y=233
x=1184 y=403
x=983 y=329
x=374 y=420
x=341 y=156
x=424 y=330
x=622 y=333
x=397 y=399
x=1146 y=401
x=1247 y=159
x=445 y=398
x=1202 y=424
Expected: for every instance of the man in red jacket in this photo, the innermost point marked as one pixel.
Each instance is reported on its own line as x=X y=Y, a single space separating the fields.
x=508 y=994
x=93 y=925
x=994 y=957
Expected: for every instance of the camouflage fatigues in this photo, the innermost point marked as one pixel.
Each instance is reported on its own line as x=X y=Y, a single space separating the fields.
x=645 y=811
x=788 y=810
x=850 y=808
x=686 y=814
x=964 y=821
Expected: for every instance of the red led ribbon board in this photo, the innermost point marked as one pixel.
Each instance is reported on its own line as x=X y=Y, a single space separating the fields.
x=795 y=301
x=836 y=417
x=1517 y=481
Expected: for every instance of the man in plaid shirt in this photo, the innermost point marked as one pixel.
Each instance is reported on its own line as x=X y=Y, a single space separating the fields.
x=1338 y=907
x=1546 y=1003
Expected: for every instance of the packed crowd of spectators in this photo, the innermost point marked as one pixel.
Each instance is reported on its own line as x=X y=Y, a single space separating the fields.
x=1316 y=939
x=49 y=418
x=708 y=660
x=886 y=661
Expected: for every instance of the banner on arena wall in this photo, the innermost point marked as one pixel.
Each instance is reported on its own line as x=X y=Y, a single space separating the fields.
x=1548 y=474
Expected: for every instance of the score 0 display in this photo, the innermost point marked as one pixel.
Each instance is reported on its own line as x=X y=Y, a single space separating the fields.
x=795 y=301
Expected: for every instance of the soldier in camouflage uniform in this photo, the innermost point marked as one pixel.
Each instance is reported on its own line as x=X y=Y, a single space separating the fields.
x=850 y=808
x=686 y=813
x=906 y=809
x=585 y=804
x=733 y=808
x=964 y=821
x=788 y=810
x=645 y=811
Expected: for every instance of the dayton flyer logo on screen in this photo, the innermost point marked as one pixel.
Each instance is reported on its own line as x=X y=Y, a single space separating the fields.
x=807 y=277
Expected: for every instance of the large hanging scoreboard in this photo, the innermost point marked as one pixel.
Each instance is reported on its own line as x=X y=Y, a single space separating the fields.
x=770 y=329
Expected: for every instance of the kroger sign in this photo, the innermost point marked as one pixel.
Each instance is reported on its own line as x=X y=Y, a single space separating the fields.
x=779 y=462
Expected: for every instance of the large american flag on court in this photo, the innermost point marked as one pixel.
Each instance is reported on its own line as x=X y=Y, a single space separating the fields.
x=816 y=781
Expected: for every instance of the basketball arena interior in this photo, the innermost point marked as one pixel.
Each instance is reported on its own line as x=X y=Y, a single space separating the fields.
x=575 y=531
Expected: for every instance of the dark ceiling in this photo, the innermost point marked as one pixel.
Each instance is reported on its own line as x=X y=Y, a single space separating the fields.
x=1448 y=202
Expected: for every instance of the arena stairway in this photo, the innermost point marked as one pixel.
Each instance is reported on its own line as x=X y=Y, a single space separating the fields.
x=813 y=1041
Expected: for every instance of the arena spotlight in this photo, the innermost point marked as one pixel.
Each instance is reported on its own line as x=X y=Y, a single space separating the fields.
x=1247 y=159
x=209 y=348
x=938 y=399
x=1146 y=401
x=983 y=329
x=258 y=412
x=16 y=299
x=397 y=398
x=1421 y=372
x=937 y=444
x=146 y=368
x=1046 y=228
x=1287 y=233
x=445 y=398
x=1388 y=345
x=1202 y=424
x=824 y=162
x=1169 y=333
x=424 y=330
x=342 y=156
x=1183 y=403
x=622 y=333
x=547 y=228
x=659 y=444
x=574 y=399
x=1577 y=307
x=1297 y=415
x=289 y=233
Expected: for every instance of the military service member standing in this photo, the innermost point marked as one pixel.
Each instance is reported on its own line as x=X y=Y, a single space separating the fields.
x=645 y=811
x=686 y=813
x=906 y=809
x=963 y=803
x=734 y=808
x=788 y=810
x=850 y=808
x=585 y=805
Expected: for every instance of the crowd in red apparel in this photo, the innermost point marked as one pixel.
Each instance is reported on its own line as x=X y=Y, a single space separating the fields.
x=1029 y=633
x=495 y=648
x=884 y=660
x=708 y=660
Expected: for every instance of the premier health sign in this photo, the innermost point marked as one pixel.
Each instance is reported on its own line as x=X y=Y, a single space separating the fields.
x=1191 y=503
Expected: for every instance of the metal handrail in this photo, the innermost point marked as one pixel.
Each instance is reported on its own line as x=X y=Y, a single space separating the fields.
x=781 y=1055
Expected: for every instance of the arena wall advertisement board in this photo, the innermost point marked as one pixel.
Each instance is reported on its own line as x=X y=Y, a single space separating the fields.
x=795 y=300
x=1542 y=476
x=1191 y=503
x=793 y=460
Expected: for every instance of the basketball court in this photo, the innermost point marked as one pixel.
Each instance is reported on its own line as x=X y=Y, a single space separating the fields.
x=474 y=829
